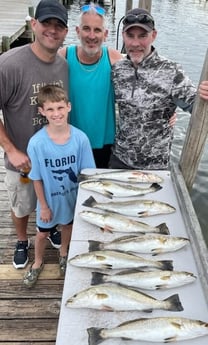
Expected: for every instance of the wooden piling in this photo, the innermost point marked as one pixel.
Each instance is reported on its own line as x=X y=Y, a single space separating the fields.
x=196 y=135
x=146 y=4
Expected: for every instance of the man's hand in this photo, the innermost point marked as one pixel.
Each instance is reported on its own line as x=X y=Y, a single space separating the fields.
x=172 y=120
x=203 y=90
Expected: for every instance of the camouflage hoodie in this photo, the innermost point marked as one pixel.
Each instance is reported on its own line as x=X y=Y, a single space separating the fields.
x=147 y=97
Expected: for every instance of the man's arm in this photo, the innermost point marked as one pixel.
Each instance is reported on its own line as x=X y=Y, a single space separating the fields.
x=114 y=55
x=62 y=51
x=17 y=158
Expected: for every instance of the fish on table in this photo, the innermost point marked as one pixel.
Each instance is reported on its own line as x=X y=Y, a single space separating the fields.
x=111 y=259
x=113 y=222
x=146 y=244
x=157 y=329
x=151 y=280
x=113 y=297
x=133 y=176
x=139 y=208
x=112 y=189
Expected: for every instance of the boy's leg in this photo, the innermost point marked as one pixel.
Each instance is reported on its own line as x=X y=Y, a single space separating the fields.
x=65 y=241
x=32 y=275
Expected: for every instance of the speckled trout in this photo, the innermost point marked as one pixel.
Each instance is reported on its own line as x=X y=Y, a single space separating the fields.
x=113 y=222
x=112 y=189
x=153 y=280
x=146 y=244
x=111 y=259
x=139 y=208
x=158 y=329
x=133 y=176
x=114 y=297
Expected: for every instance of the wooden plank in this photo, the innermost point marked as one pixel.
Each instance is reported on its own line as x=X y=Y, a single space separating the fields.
x=45 y=289
x=51 y=271
x=199 y=246
x=25 y=309
x=196 y=135
x=42 y=330
x=31 y=343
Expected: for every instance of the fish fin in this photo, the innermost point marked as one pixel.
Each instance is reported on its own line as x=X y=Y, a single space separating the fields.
x=94 y=245
x=127 y=271
x=126 y=237
x=167 y=265
x=143 y=214
x=174 y=303
x=163 y=229
x=108 y=194
x=156 y=186
x=94 y=337
x=83 y=177
x=90 y=202
x=157 y=251
x=97 y=278
x=108 y=228
x=169 y=340
x=107 y=308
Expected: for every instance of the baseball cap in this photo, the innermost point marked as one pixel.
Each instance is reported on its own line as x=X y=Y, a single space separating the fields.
x=48 y=9
x=138 y=17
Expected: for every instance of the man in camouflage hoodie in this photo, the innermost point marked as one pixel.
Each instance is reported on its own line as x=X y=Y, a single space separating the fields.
x=148 y=89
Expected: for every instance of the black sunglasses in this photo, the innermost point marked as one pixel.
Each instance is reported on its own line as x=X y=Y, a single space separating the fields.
x=140 y=18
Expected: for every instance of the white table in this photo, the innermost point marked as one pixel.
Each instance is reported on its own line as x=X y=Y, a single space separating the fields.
x=74 y=322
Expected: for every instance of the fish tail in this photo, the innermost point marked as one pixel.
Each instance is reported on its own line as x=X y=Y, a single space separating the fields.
x=90 y=202
x=167 y=265
x=174 y=303
x=163 y=229
x=97 y=278
x=156 y=186
x=94 y=337
x=94 y=245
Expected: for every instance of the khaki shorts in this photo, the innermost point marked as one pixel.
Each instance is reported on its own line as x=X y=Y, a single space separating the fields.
x=22 y=196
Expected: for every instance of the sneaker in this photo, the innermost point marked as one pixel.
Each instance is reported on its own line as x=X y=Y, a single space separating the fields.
x=21 y=254
x=32 y=275
x=62 y=264
x=55 y=238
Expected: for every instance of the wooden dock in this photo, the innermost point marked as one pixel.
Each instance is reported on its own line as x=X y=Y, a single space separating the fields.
x=13 y=21
x=27 y=316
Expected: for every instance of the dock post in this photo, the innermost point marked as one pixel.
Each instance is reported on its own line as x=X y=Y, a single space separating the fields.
x=129 y=4
x=5 y=43
x=28 y=31
x=145 y=4
x=196 y=135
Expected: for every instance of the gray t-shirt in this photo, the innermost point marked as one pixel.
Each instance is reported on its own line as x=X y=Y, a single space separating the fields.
x=22 y=74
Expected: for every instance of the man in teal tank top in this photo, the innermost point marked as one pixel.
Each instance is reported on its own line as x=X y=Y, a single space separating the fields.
x=91 y=91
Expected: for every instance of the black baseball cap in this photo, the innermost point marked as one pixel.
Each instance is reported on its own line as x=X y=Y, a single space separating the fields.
x=138 y=17
x=48 y=9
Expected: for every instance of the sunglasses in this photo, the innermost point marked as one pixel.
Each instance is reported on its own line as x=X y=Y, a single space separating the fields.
x=99 y=10
x=140 y=18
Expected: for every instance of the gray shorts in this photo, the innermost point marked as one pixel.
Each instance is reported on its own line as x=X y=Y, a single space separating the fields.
x=22 y=196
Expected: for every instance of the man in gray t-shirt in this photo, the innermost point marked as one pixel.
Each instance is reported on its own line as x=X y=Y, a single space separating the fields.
x=23 y=71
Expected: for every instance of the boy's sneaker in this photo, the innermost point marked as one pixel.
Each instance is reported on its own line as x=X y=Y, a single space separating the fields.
x=62 y=264
x=55 y=238
x=21 y=254
x=32 y=275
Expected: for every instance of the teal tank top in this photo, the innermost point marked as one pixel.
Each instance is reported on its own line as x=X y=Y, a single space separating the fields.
x=91 y=95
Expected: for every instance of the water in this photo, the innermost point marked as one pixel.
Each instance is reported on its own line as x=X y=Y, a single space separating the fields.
x=182 y=36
